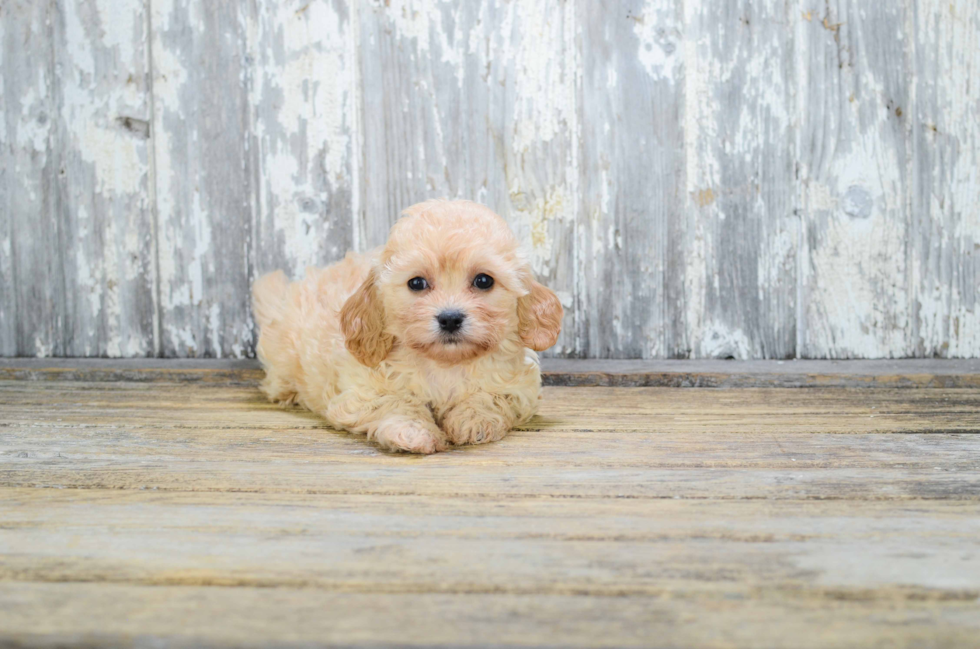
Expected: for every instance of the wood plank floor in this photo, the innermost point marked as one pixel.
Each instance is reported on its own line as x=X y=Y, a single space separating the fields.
x=177 y=514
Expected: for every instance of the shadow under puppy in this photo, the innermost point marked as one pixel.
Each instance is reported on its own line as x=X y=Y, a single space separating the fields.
x=423 y=343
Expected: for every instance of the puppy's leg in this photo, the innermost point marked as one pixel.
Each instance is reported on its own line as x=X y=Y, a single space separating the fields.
x=407 y=433
x=392 y=423
x=484 y=417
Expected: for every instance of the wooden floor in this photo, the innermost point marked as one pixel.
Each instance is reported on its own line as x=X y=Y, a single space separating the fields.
x=159 y=513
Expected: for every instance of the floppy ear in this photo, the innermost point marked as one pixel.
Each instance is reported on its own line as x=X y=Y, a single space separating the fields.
x=539 y=314
x=363 y=322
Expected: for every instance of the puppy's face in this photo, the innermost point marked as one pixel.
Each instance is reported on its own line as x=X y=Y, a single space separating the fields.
x=450 y=287
x=452 y=302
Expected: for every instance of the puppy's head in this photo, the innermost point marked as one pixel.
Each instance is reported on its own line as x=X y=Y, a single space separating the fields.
x=450 y=286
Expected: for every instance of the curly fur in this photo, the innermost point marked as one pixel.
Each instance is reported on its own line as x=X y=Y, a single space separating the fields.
x=353 y=343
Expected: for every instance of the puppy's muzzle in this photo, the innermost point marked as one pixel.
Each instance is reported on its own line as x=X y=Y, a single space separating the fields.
x=450 y=321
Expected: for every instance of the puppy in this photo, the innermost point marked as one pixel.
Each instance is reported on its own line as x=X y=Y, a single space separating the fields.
x=427 y=342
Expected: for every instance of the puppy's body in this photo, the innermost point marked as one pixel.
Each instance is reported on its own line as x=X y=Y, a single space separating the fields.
x=353 y=343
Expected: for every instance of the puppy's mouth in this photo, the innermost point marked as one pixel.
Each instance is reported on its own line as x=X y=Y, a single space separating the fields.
x=450 y=348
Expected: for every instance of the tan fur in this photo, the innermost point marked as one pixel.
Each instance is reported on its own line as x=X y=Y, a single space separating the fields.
x=540 y=314
x=354 y=344
x=362 y=321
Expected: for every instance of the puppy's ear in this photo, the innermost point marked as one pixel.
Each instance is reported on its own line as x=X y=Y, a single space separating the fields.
x=363 y=322
x=539 y=314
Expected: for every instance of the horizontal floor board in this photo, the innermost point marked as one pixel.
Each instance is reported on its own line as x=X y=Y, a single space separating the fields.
x=885 y=484
x=81 y=447
x=600 y=442
x=426 y=545
x=618 y=409
x=48 y=615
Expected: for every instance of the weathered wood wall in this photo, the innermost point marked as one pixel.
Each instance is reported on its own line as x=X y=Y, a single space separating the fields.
x=748 y=178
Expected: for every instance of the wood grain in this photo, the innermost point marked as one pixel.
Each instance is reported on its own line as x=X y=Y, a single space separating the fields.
x=396 y=544
x=740 y=274
x=105 y=208
x=205 y=169
x=945 y=243
x=88 y=615
x=32 y=309
x=764 y=180
x=149 y=513
x=630 y=245
x=595 y=443
x=303 y=93
x=854 y=96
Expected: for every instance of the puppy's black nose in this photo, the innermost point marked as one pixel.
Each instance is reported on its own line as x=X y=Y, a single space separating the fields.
x=450 y=321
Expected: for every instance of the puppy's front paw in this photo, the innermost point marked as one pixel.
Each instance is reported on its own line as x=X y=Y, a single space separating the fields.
x=467 y=425
x=404 y=434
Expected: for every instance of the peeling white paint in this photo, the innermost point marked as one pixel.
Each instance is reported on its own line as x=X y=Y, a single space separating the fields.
x=214 y=327
x=819 y=196
x=311 y=85
x=32 y=129
x=119 y=168
x=169 y=77
x=871 y=250
x=119 y=23
x=4 y=136
x=719 y=341
x=43 y=348
x=545 y=95
x=421 y=21
x=545 y=116
x=699 y=173
x=104 y=165
x=945 y=260
x=658 y=38
x=855 y=302
x=182 y=339
x=89 y=273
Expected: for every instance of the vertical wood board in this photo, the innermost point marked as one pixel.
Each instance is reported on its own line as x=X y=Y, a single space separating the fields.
x=32 y=314
x=742 y=229
x=854 y=93
x=103 y=203
x=304 y=98
x=945 y=234
x=630 y=251
x=205 y=176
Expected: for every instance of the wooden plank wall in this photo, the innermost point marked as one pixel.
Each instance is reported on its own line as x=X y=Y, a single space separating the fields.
x=747 y=179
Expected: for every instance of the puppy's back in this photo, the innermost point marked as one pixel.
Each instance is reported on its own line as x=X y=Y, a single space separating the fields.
x=269 y=298
x=299 y=328
x=275 y=349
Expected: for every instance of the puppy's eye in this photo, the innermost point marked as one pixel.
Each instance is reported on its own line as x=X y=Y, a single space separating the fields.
x=418 y=284
x=483 y=281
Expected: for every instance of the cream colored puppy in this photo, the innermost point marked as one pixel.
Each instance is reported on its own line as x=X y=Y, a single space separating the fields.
x=421 y=344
